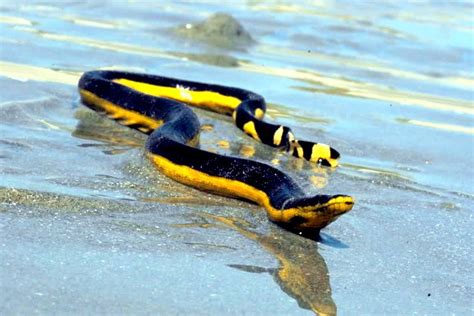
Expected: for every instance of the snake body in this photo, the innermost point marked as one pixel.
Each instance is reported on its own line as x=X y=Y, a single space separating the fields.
x=154 y=105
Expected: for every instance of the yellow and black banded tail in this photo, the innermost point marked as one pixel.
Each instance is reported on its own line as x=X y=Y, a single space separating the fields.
x=248 y=117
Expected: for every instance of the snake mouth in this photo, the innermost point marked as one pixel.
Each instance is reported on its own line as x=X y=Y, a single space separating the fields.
x=341 y=205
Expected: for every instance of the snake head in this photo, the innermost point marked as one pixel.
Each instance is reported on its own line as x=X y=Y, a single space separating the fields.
x=315 y=212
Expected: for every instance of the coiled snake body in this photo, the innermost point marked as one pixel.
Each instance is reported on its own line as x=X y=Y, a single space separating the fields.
x=154 y=105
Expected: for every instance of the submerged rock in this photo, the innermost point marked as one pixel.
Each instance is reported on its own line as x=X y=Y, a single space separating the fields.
x=220 y=30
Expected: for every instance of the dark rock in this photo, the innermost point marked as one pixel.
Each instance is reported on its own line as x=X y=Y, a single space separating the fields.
x=220 y=30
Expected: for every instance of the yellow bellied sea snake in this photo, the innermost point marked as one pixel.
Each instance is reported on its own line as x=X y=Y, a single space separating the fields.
x=154 y=105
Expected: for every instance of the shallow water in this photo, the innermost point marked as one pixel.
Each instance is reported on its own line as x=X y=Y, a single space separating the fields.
x=87 y=224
